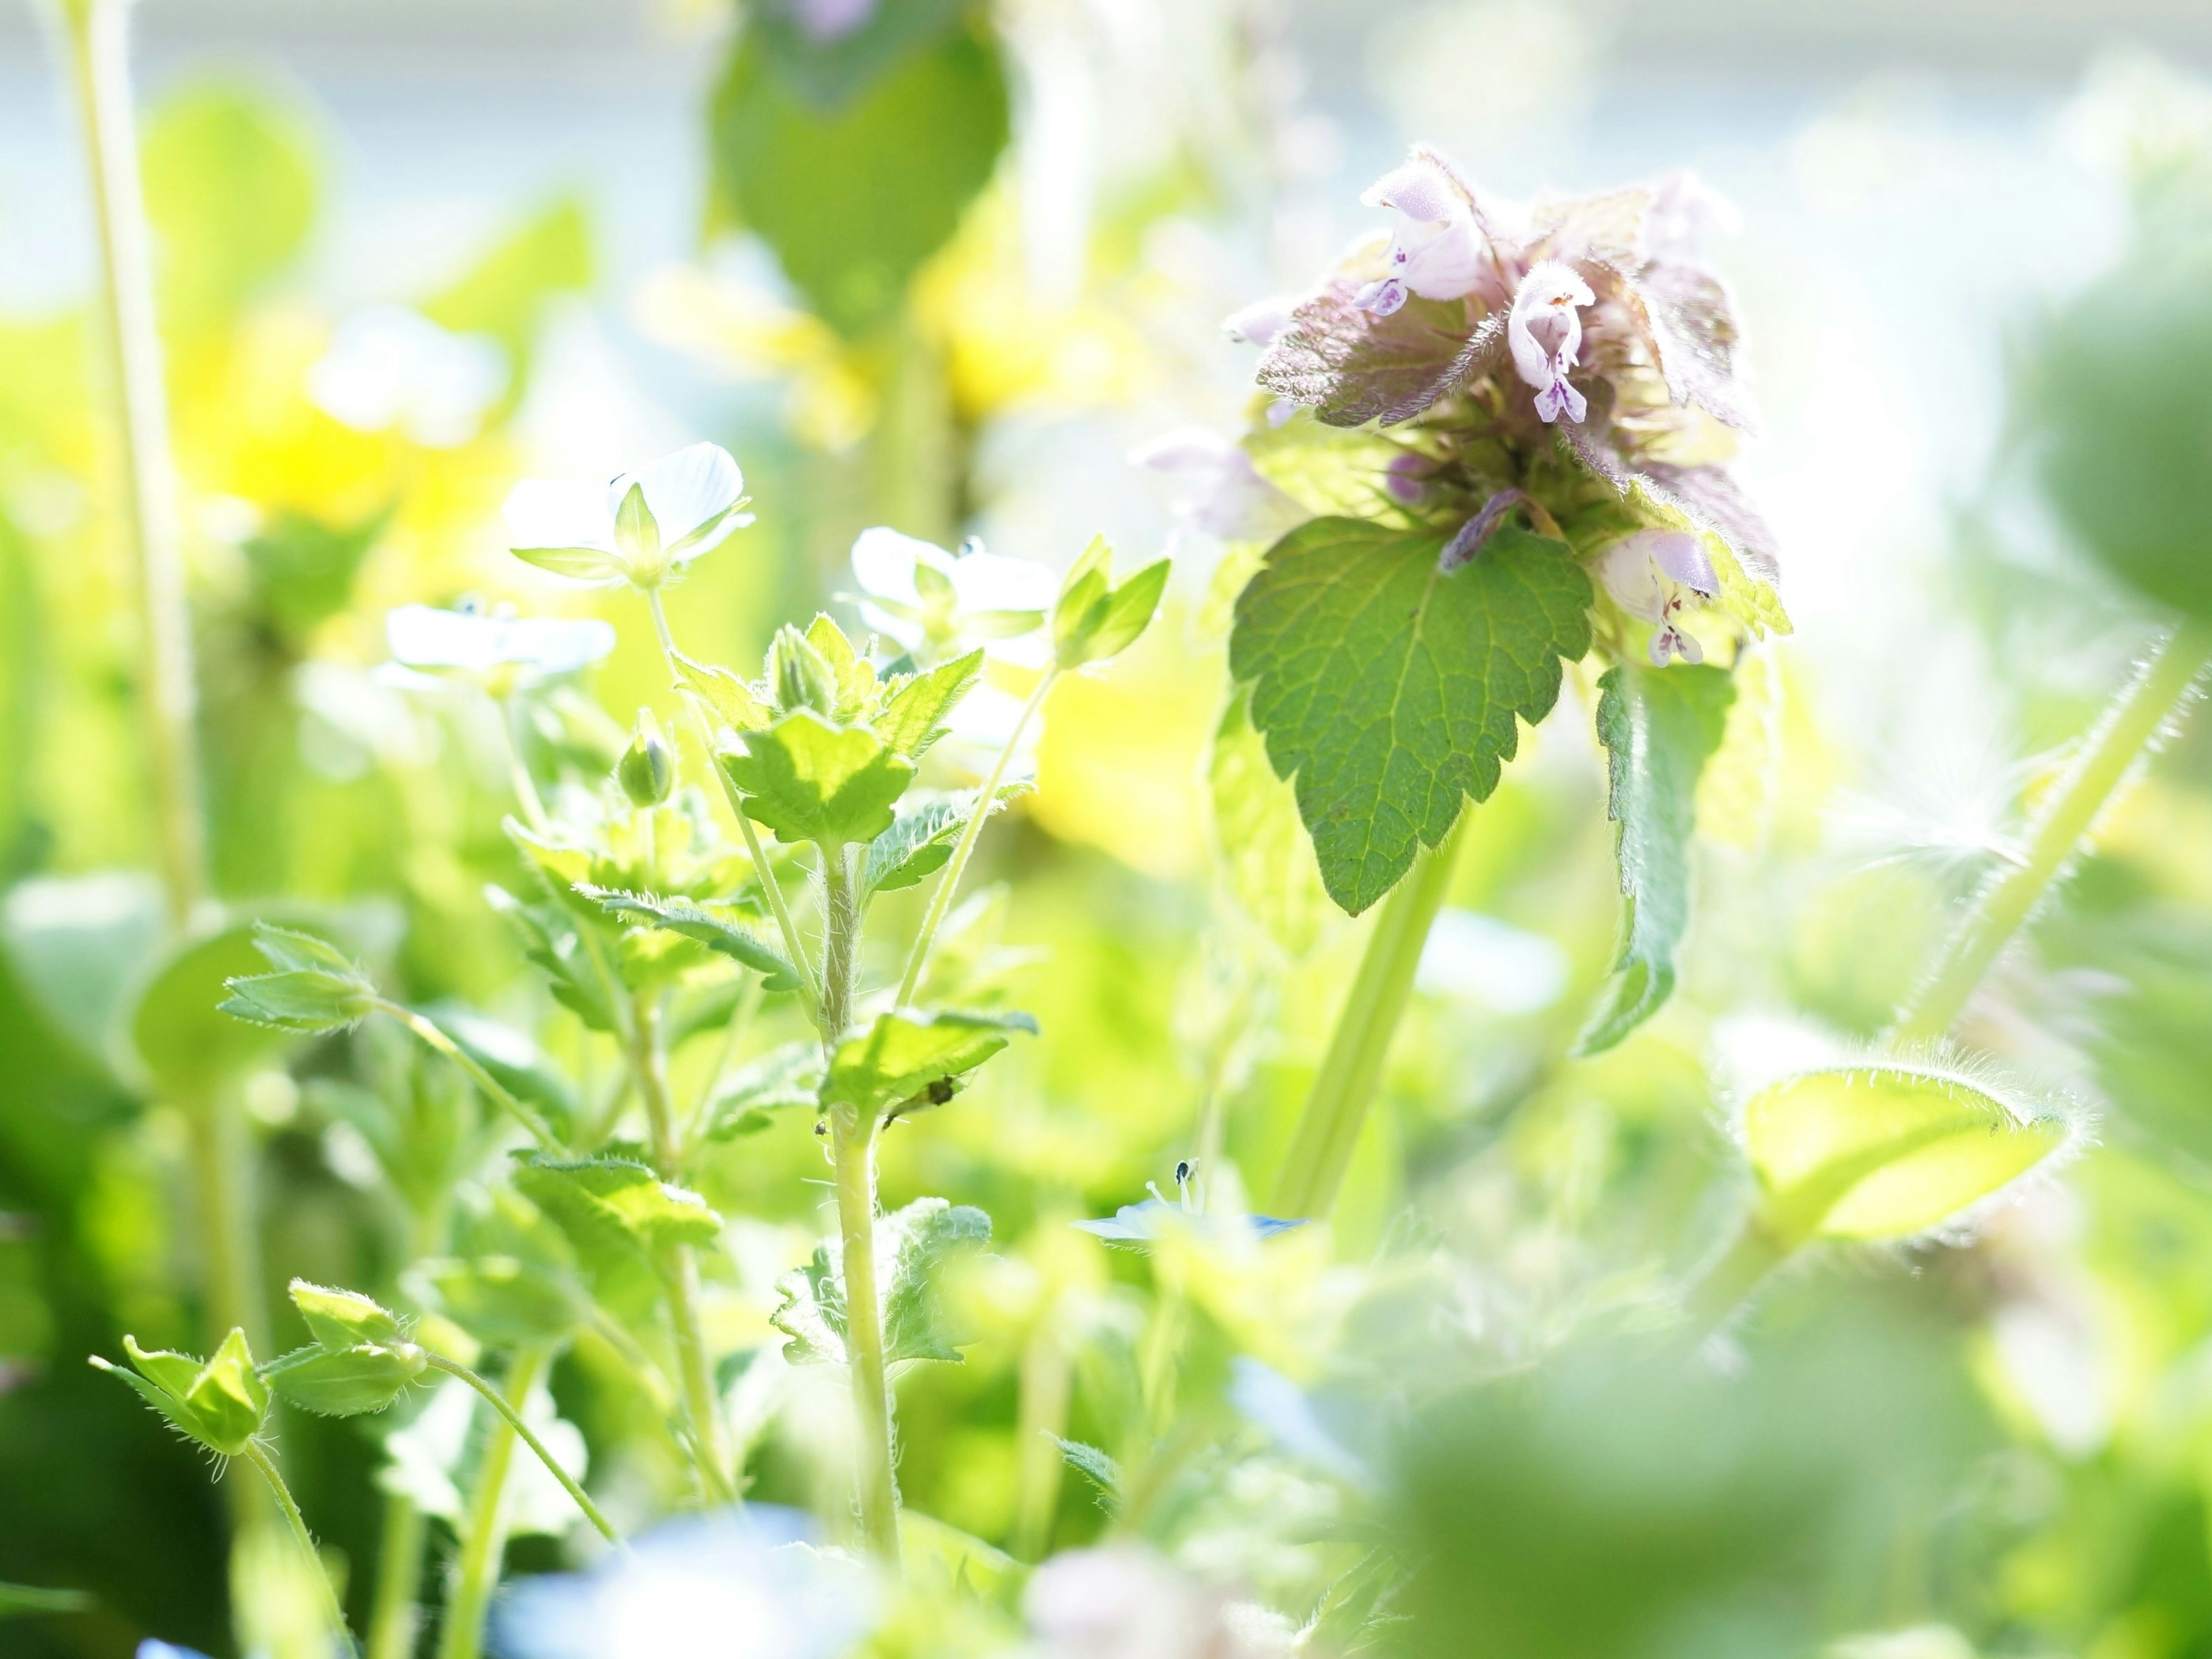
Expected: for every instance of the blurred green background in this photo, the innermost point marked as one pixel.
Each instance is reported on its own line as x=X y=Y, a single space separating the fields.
x=947 y=279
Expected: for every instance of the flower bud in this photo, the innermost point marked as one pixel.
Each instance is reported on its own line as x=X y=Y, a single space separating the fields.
x=800 y=676
x=647 y=770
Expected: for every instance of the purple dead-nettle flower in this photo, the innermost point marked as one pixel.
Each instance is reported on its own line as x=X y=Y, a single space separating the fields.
x=938 y=604
x=1437 y=250
x=1222 y=493
x=1656 y=574
x=1259 y=323
x=1546 y=334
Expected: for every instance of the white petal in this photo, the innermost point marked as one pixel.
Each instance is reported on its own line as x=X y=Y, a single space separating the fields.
x=1681 y=555
x=687 y=490
x=1419 y=190
x=1628 y=575
x=1447 y=264
x=990 y=581
x=1259 y=323
x=545 y=512
x=1197 y=452
x=884 y=561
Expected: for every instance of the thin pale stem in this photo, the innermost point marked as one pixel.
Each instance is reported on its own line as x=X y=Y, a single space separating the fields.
x=794 y=945
x=2060 y=826
x=853 y=1152
x=525 y=786
x=1731 y=1279
x=1328 y=1131
x=1163 y=1347
x=396 y=1616
x=258 y=1455
x=500 y=1404
x=1041 y=1422
x=483 y=1540
x=100 y=56
x=494 y=1091
x=949 y=884
x=680 y=1264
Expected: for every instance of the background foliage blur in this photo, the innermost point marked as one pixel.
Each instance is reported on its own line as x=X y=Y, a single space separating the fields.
x=407 y=254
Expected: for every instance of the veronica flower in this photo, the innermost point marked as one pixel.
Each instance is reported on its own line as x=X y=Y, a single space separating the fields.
x=936 y=603
x=645 y=528
x=1656 y=574
x=1155 y=1219
x=726 y=1586
x=496 y=649
x=1546 y=334
x=153 y=1648
x=1436 y=249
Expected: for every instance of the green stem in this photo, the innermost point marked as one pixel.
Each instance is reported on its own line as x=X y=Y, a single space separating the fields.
x=525 y=786
x=395 y=1619
x=679 y=1264
x=949 y=883
x=483 y=1542
x=1163 y=1347
x=258 y=1455
x=493 y=1089
x=1729 y=1280
x=2061 y=825
x=794 y=945
x=1328 y=1131
x=1041 y=1421
x=98 y=36
x=500 y=1404
x=852 y=1141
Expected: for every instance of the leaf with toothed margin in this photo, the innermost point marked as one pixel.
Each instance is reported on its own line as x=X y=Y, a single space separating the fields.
x=718 y=933
x=1352 y=366
x=913 y=1247
x=809 y=778
x=914 y=710
x=906 y=1052
x=1659 y=727
x=610 y=1205
x=1388 y=692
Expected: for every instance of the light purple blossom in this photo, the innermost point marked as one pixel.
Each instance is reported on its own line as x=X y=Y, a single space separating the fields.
x=1124 y=1601
x=1259 y=323
x=1222 y=492
x=823 y=21
x=1546 y=334
x=1655 y=574
x=1437 y=250
x=1156 y=1217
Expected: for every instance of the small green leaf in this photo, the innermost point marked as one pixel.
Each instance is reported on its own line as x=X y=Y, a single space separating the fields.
x=1390 y=690
x=346 y=1381
x=502 y=1301
x=808 y=780
x=221 y=1403
x=727 y=937
x=1886 y=1152
x=1128 y=613
x=552 y=944
x=1095 y=1465
x=1659 y=727
x=316 y=988
x=735 y=704
x=1092 y=618
x=1264 y=850
x=173 y=1373
x=914 y=714
x=613 y=1205
x=921 y=839
x=856 y=675
x=913 y=1247
x=593 y=565
x=781 y=1078
x=906 y=1052
x=342 y=1319
x=17 y=1601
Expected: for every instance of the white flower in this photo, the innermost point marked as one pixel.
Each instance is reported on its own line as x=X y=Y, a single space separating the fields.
x=1435 y=250
x=1476 y=958
x=1224 y=495
x=389 y=367
x=726 y=1586
x=496 y=648
x=1653 y=574
x=1545 y=333
x=1125 y=1602
x=1684 y=214
x=643 y=528
x=936 y=603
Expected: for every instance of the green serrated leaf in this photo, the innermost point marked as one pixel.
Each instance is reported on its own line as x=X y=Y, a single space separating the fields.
x=812 y=1310
x=613 y=1205
x=735 y=704
x=342 y=1319
x=921 y=839
x=905 y=1052
x=1095 y=1465
x=856 y=675
x=783 y=1077
x=551 y=944
x=346 y=1381
x=914 y=715
x=1659 y=727
x=914 y=1246
x=718 y=933
x=1264 y=849
x=1388 y=692
x=502 y=1301
x=316 y=988
x=808 y=779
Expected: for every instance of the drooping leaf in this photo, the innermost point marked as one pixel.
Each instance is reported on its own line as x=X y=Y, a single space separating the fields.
x=781 y=1078
x=906 y=1052
x=346 y=1381
x=850 y=203
x=613 y=1205
x=808 y=779
x=718 y=933
x=913 y=1245
x=1352 y=366
x=1659 y=727
x=1888 y=1150
x=1388 y=692
x=913 y=715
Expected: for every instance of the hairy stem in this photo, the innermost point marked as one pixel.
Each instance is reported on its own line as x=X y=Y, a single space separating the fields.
x=1328 y=1131
x=258 y=1455
x=679 y=1264
x=100 y=56
x=949 y=884
x=483 y=1539
x=794 y=945
x=513 y=1418
x=494 y=1091
x=396 y=1617
x=2061 y=825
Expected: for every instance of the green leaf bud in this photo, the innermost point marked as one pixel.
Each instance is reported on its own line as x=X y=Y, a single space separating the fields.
x=316 y=988
x=800 y=676
x=221 y=1402
x=647 y=770
x=349 y=1382
x=1093 y=620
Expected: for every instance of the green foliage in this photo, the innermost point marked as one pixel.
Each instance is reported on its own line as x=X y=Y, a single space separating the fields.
x=1266 y=856
x=906 y=1052
x=851 y=204
x=1659 y=727
x=915 y=1246
x=1092 y=619
x=232 y=179
x=342 y=1319
x=502 y=1301
x=718 y=933
x=913 y=711
x=219 y=1402
x=1388 y=690
x=516 y=1063
x=808 y=780
x=1887 y=1151
x=609 y=1207
x=185 y=1042
x=921 y=840
x=21 y=1600
x=506 y=292
x=735 y=704
x=303 y=569
x=316 y=988
x=785 y=1077
x=360 y=1361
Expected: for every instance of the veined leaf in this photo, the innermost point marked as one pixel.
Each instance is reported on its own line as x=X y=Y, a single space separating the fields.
x=735 y=704
x=921 y=839
x=1388 y=690
x=906 y=1052
x=914 y=1246
x=613 y=1205
x=502 y=1300
x=342 y=1319
x=1354 y=365
x=808 y=779
x=781 y=1078
x=346 y=1381
x=1659 y=727
x=913 y=715
x=1888 y=1150
x=718 y=933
